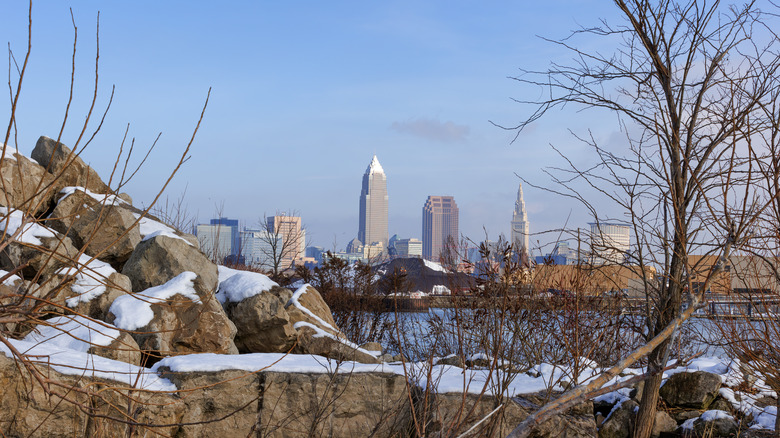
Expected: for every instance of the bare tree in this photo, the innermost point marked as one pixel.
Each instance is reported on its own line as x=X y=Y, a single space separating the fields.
x=687 y=82
x=277 y=242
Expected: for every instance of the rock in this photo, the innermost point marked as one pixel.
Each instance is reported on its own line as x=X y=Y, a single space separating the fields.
x=311 y=341
x=181 y=319
x=478 y=362
x=262 y=323
x=452 y=360
x=310 y=299
x=684 y=416
x=102 y=228
x=115 y=285
x=695 y=390
x=355 y=405
x=664 y=423
x=50 y=252
x=125 y=197
x=721 y=404
x=374 y=347
x=157 y=260
x=722 y=425
x=25 y=184
x=452 y=415
x=123 y=349
x=67 y=168
x=621 y=422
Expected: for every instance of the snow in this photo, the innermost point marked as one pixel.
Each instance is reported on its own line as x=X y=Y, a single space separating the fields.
x=236 y=286
x=322 y=333
x=106 y=199
x=433 y=265
x=135 y=311
x=74 y=333
x=11 y=280
x=150 y=228
x=90 y=282
x=714 y=414
x=294 y=301
x=280 y=362
x=75 y=363
x=30 y=234
x=9 y=152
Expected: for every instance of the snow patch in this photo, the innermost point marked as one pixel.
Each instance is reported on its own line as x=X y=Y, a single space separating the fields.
x=135 y=311
x=322 y=333
x=75 y=363
x=150 y=228
x=294 y=301
x=236 y=286
x=280 y=362
x=74 y=333
x=106 y=199
x=11 y=280
x=91 y=278
x=433 y=265
x=31 y=232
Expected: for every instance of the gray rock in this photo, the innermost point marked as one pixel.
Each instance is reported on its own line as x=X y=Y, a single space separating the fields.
x=25 y=185
x=664 y=423
x=262 y=323
x=691 y=390
x=68 y=168
x=157 y=260
x=104 y=230
x=42 y=261
x=453 y=360
x=721 y=427
x=620 y=422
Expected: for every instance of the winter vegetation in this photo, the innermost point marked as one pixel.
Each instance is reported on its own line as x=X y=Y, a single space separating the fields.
x=115 y=323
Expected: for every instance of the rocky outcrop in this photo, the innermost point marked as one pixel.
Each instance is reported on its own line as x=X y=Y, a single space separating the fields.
x=691 y=390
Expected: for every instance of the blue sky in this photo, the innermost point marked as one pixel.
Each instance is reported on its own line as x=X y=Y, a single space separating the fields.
x=303 y=94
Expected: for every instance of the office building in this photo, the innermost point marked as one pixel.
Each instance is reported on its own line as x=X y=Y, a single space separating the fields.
x=609 y=242
x=439 y=226
x=373 y=206
x=219 y=238
x=408 y=247
x=292 y=234
x=520 y=228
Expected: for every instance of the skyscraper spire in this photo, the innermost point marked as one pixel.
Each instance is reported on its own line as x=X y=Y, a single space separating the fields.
x=373 y=205
x=520 y=226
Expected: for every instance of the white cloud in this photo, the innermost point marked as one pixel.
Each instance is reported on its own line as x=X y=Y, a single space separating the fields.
x=446 y=132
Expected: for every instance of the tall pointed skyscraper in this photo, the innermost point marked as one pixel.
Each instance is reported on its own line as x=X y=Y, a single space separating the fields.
x=520 y=229
x=373 y=205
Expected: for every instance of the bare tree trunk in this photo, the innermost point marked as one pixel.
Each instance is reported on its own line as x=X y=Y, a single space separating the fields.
x=646 y=416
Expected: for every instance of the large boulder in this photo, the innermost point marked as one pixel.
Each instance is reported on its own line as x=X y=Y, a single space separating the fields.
x=691 y=390
x=714 y=423
x=262 y=322
x=175 y=318
x=620 y=422
x=157 y=260
x=100 y=224
x=453 y=414
x=25 y=184
x=66 y=166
